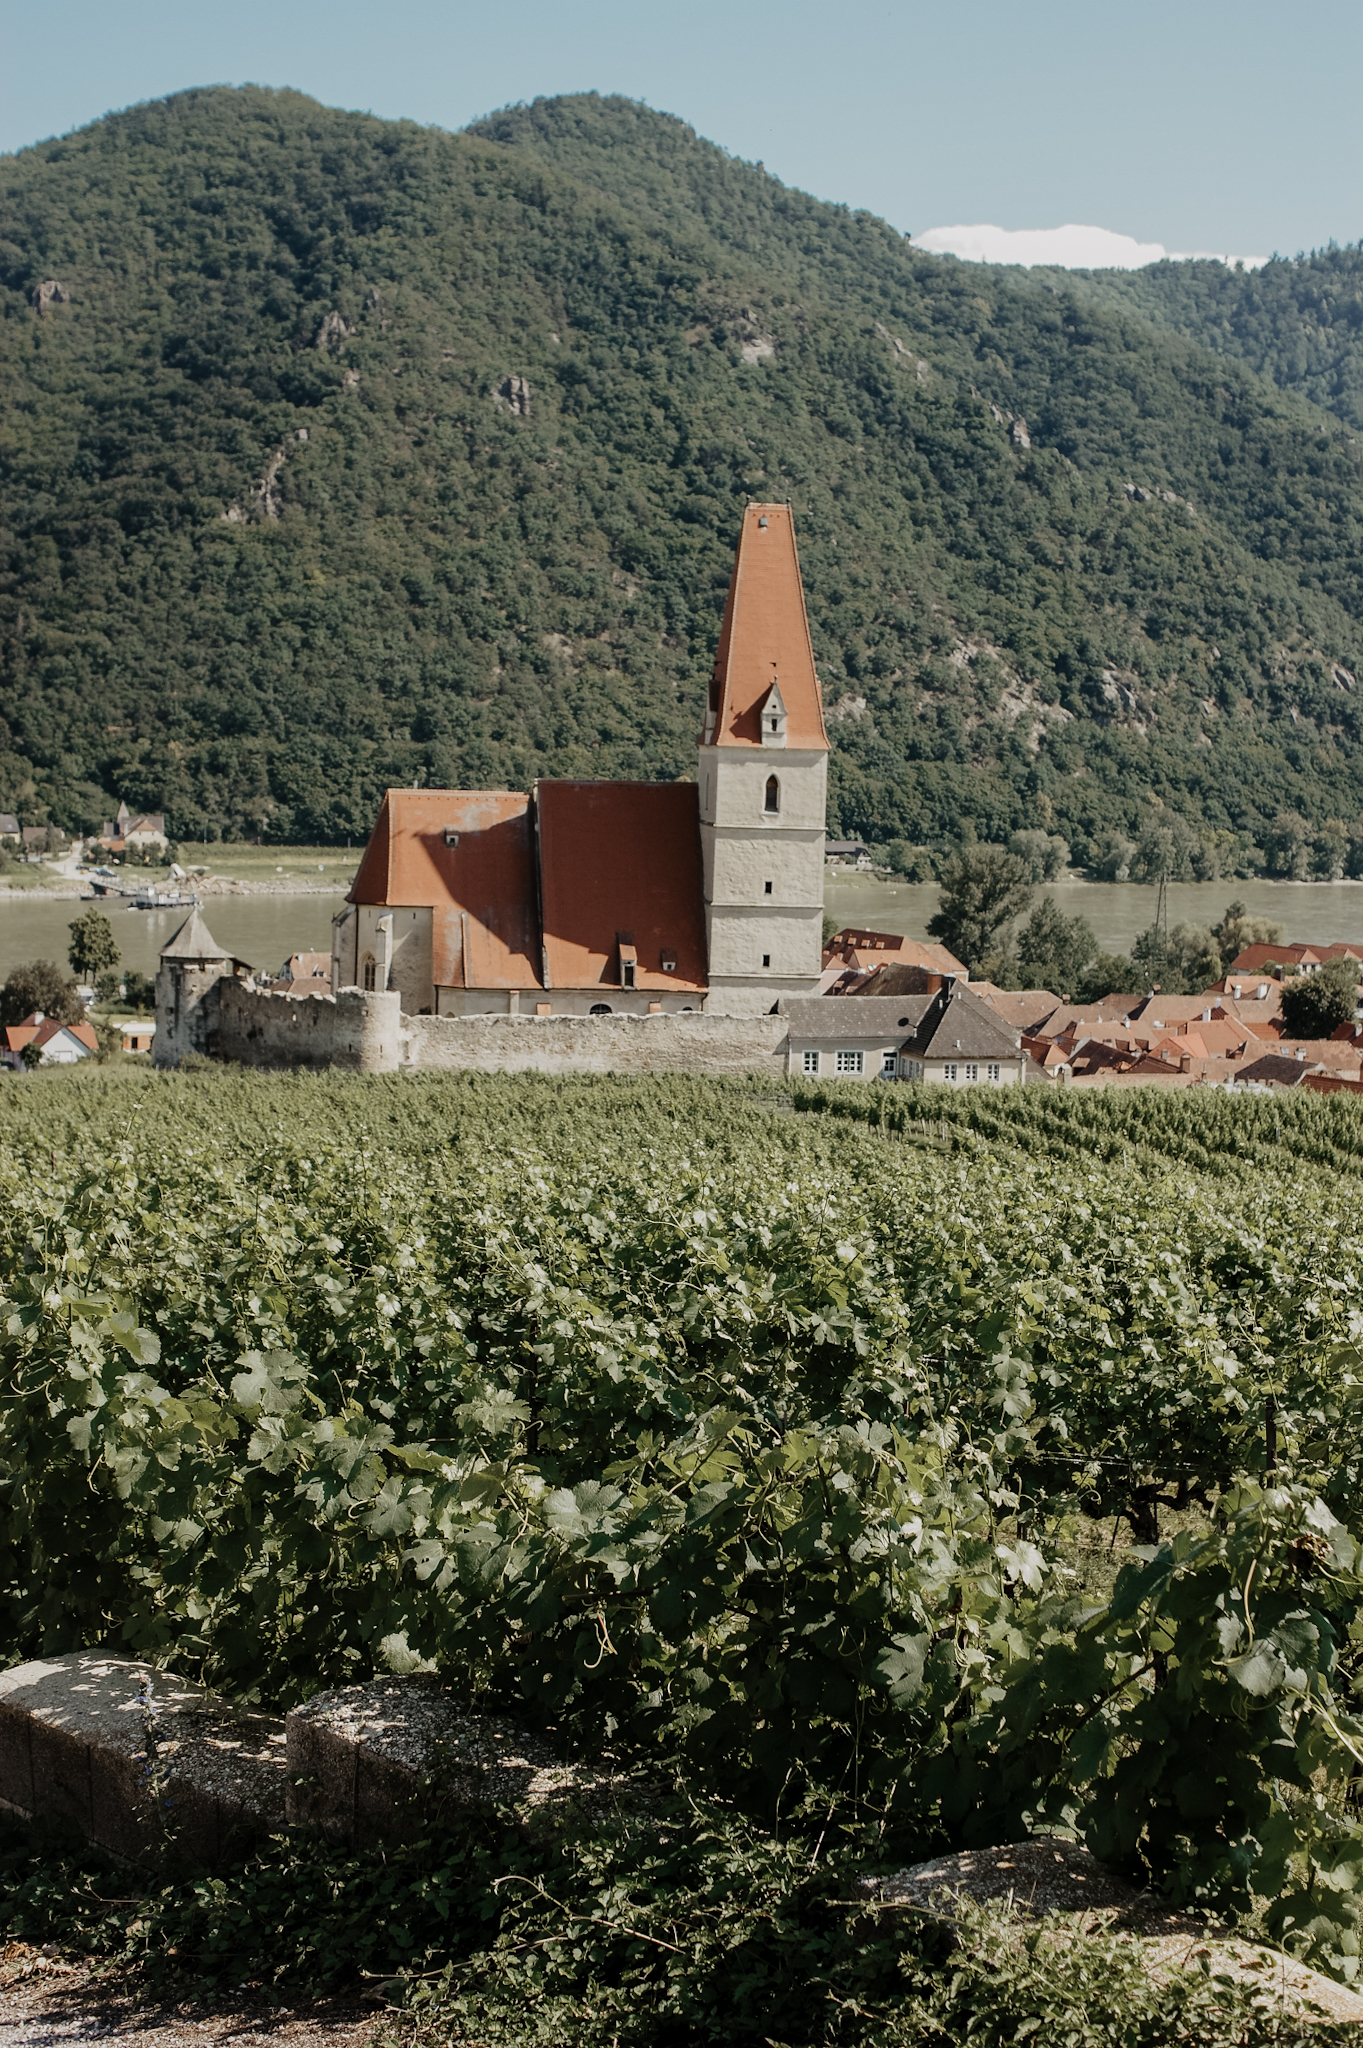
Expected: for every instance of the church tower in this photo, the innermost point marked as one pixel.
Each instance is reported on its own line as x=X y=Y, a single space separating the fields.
x=763 y=781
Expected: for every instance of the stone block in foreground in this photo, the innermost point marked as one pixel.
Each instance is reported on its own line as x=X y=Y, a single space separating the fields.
x=74 y=1748
x=386 y=1761
x=1051 y=1876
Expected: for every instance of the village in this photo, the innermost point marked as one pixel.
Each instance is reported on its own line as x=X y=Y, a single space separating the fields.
x=679 y=927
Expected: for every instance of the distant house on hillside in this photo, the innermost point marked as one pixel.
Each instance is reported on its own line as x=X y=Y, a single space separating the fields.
x=138 y=1035
x=61 y=1044
x=847 y=853
x=128 y=833
x=9 y=825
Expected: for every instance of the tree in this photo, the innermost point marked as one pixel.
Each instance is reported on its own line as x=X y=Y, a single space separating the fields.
x=31 y=1055
x=1287 y=846
x=110 y=1037
x=140 y=989
x=1046 y=853
x=1111 y=974
x=1181 y=962
x=983 y=888
x=93 y=946
x=1053 y=950
x=914 y=863
x=1169 y=847
x=39 y=985
x=1315 y=1004
x=1236 y=931
x=1114 y=864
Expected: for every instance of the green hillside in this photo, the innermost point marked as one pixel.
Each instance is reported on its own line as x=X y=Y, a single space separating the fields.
x=1297 y=321
x=278 y=531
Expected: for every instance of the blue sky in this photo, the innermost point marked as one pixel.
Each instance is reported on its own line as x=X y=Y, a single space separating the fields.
x=1206 y=124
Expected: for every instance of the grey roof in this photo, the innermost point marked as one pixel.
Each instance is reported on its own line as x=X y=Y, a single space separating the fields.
x=1277 y=1069
x=194 y=941
x=887 y=1017
x=958 y=1025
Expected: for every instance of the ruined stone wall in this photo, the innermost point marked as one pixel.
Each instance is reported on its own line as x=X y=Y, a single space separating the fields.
x=260 y=1028
x=367 y=1033
x=681 y=1044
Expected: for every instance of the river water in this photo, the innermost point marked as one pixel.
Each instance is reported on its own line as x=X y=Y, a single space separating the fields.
x=266 y=929
x=1119 y=912
x=261 y=929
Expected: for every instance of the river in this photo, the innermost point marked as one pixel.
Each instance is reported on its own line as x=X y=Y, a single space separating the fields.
x=262 y=929
x=1119 y=912
x=266 y=929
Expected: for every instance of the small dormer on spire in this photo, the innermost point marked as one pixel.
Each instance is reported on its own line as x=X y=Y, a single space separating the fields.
x=774 y=716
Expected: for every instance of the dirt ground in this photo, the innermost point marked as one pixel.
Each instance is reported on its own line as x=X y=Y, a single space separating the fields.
x=45 y=2003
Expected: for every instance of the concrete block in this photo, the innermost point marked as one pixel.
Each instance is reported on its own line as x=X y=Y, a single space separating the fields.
x=383 y=1762
x=74 y=1747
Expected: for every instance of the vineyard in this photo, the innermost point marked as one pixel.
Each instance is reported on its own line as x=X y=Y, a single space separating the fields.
x=899 y=1469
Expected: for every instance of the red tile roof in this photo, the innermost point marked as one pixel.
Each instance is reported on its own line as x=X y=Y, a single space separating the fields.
x=621 y=858
x=861 y=948
x=19 y=1035
x=481 y=887
x=765 y=639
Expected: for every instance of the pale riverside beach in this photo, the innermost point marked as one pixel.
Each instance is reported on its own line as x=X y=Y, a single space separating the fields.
x=1119 y=912
x=262 y=929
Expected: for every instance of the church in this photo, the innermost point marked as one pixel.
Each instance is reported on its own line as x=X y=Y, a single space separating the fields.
x=601 y=898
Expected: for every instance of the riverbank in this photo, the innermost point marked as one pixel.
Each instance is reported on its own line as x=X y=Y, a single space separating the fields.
x=67 y=891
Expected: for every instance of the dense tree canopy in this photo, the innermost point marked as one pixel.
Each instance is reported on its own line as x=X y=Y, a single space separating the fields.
x=349 y=453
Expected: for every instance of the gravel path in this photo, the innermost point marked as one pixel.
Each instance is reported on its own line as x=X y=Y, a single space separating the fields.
x=45 y=2003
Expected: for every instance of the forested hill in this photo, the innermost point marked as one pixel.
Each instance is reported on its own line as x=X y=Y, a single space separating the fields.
x=1297 y=321
x=353 y=453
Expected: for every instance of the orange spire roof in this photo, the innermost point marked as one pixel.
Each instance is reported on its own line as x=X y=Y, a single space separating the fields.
x=765 y=640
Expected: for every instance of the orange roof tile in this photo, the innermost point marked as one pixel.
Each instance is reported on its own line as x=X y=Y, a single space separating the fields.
x=765 y=639
x=469 y=854
x=621 y=858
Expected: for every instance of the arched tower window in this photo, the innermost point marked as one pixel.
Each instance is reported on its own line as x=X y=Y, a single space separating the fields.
x=370 y=971
x=773 y=798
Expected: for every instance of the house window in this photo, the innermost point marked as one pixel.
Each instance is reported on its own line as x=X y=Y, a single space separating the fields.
x=599 y=1010
x=992 y=1072
x=949 y=1071
x=888 y=1063
x=766 y=888
x=627 y=973
x=371 y=971
x=772 y=804
x=850 y=1062
x=766 y=959
x=811 y=1063
x=972 y=1072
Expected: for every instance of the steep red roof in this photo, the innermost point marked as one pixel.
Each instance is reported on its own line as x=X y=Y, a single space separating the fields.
x=621 y=858
x=469 y=854
x=765 y=639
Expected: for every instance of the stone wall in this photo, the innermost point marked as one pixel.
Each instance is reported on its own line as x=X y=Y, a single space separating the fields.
x=687 y=1044
x=260 y=1028
x=366 y=1032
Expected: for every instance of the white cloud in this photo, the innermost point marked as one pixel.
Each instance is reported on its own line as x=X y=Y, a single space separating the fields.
x=1071 y=247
